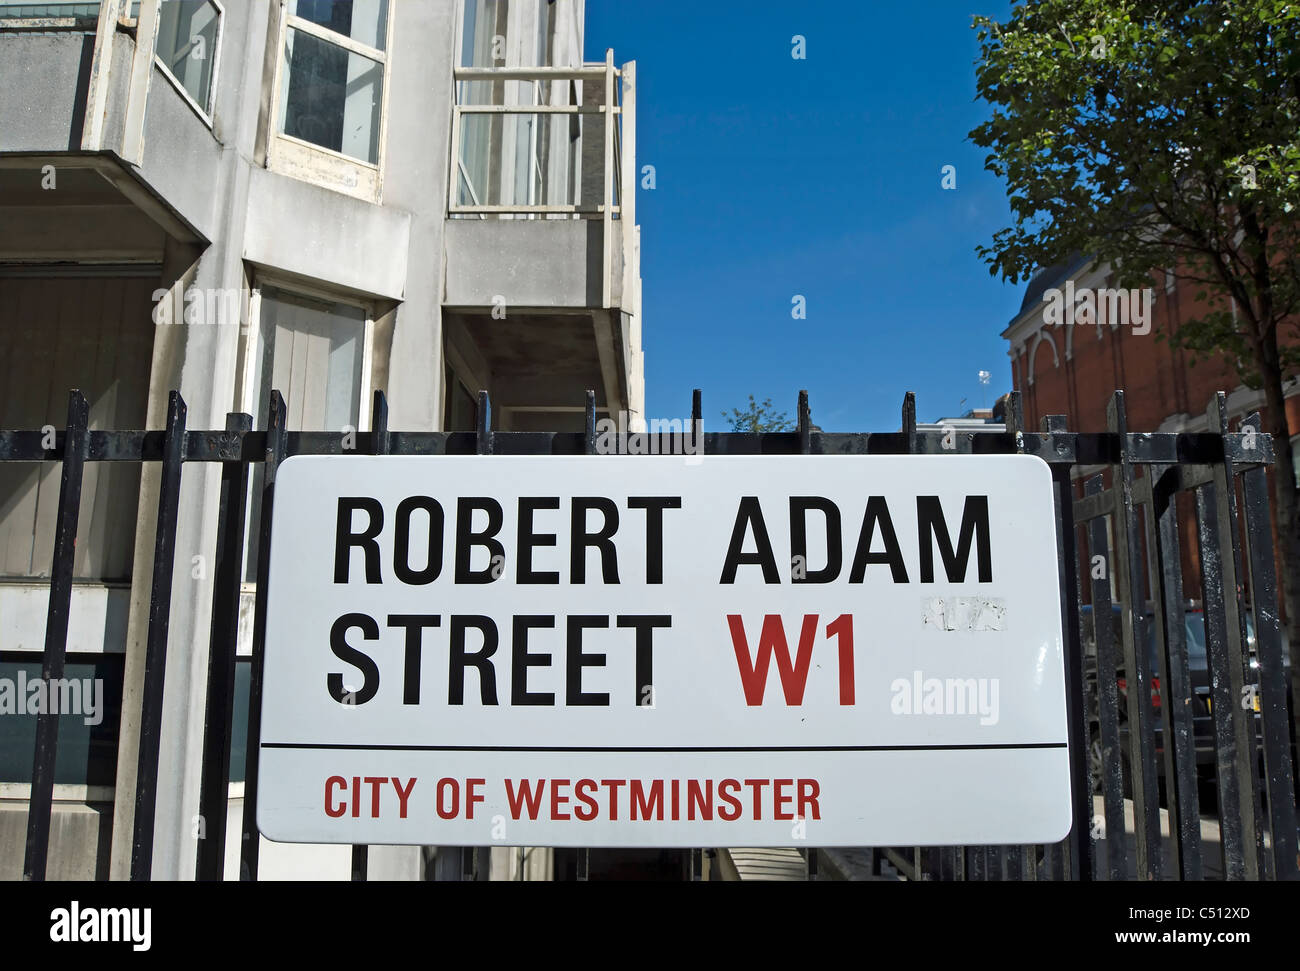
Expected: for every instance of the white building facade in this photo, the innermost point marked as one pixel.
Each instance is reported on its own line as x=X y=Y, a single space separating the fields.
x=321 y=197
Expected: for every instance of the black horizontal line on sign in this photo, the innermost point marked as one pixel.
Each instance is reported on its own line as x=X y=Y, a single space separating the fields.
x=662 y=748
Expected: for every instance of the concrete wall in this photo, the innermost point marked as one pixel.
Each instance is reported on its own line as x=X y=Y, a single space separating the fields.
x=230 y=219
x=55 y=66
x=531 y=263
x=259 y=219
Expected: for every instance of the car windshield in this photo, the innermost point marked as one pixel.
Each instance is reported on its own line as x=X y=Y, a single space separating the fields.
x=1194 y=634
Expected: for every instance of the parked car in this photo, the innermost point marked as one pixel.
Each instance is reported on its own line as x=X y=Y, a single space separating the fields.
x=1199 y=676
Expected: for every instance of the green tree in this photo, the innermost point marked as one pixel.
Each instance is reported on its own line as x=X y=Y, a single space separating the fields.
x=1162 y=134
x=759 y=418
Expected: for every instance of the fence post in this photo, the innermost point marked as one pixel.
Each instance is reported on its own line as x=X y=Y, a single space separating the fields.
x=155 y=663
x=1079 y=840
x=1014 y=420
x=1243 y=729
x=1233 y=828
x=582 y=855
x=1165 y=578
x=277 y=448
x=1128 y=563
x=1279 y=783
x=1112 y=779
x=40 y=805
x=378 y=446
x=470 y=862
x=214 y=784
x=909 y=422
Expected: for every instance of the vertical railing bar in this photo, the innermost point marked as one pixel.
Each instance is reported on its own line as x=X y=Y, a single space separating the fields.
x=382 y=442
x=40 y=805
x=1079 y=839
x=277 y=442
x=697 y=422
x=1029 y=862
x=1278 y=780
x=223 y=641
x=1243 y=728
x=805 y=425
x=909 y=422
x=483 y=425
x=1142 y=763
x=1011 y=863
x=589 y=424
x=1165 y=574
x=1231 y=825
x=453 y=180
x=607 y=262
x=1015 y=420
x=953 y=862
x=469 y=862
x=1154 y=633
x=909 y=419
x=1107 y=694
x=805 y=448
x=379 y=446
x=1015 y=425
x=583 y=854
x=155 y=663
x=1053 y=865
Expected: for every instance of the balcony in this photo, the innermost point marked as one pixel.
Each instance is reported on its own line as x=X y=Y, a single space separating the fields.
x=78 y=185
x=542 y=294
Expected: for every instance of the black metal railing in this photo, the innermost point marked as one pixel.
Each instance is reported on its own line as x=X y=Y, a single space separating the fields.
x=1147 y=473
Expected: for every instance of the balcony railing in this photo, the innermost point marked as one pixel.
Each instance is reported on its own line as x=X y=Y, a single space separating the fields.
x=54 y=17
x=523 y=146
x=548 y=143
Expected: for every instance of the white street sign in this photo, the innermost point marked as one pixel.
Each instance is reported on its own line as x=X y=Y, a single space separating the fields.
x=657 y=651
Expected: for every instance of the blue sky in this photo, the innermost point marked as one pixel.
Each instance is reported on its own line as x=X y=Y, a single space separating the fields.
x=819 y=177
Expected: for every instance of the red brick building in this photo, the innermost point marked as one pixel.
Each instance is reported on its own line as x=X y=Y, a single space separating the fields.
x=1072 y=369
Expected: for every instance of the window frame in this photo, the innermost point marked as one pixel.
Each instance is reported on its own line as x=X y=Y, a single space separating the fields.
x=69 y=792
x=205 y=115
x=307 y=161
x=250 y=363
x=295 y=287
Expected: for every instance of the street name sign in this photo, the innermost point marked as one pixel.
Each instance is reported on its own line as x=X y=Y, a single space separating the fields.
x=666 y=651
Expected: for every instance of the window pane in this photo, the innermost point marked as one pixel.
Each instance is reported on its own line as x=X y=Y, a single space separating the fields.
x=505 y=160
x=87 y=754
x=187 y=44
x=365 y=21
x=331 y=97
